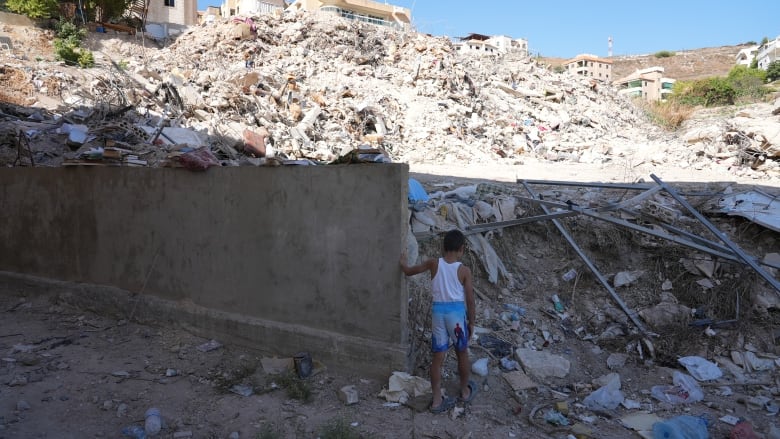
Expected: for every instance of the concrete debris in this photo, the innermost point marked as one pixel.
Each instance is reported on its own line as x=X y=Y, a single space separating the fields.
x=402 y=386
x=624 y=278
x=543 y=364
x=349 y=395
x=314 y=88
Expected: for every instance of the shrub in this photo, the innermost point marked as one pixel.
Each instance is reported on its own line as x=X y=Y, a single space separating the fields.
x=748 y=83
x=66 y=45
x=773 y=71
x=664 y=54
x=670 y=114
x=709 y=92
x=32 y=8
x=65 y=51
x=86 y=59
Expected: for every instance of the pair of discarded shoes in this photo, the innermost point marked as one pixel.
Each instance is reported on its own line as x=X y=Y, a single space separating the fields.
x=448 y=402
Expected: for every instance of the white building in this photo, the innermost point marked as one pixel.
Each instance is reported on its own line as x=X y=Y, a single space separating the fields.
x=746 y=56
x=495 y=45
x=768 y=53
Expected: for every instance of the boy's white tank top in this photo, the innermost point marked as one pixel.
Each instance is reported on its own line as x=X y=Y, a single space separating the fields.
x=446 y=285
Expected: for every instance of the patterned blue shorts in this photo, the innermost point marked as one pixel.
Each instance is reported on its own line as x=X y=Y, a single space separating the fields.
x=449 y=326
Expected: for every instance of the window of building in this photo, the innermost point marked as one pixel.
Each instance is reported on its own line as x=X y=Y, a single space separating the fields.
x=169 y=3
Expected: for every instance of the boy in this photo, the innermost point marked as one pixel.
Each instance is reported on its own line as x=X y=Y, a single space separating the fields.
x=453 y=315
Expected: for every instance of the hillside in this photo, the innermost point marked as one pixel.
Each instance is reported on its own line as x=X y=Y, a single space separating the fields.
x=684 y=65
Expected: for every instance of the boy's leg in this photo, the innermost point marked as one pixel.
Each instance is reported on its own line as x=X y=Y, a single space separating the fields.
x=436 y=365
x=464 y=371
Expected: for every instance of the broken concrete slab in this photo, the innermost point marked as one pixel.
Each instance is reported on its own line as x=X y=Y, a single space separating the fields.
x=542 y=364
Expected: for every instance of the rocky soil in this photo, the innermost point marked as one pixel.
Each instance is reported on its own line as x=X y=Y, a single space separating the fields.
x=320 y=89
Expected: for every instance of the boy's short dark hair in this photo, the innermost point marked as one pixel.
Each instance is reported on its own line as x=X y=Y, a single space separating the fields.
x=454 y=240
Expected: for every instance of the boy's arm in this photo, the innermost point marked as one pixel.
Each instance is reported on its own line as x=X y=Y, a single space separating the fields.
x=428 y=265
x=468 y=289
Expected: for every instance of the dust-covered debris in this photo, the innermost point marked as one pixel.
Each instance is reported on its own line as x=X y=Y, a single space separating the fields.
x=313 y=88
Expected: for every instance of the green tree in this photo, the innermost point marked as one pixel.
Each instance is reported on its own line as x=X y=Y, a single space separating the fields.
x=33 y=8
x=773 y=70
x=105 y=10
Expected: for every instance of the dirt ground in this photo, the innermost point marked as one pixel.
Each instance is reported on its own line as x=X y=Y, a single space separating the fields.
x=68 y=373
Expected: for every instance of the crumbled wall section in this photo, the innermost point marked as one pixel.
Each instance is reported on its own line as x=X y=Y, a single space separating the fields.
x=312 y=251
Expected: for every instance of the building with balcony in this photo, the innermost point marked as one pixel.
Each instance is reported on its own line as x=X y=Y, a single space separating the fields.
x=767 y=53
x=362 y=10
x=590 y=66
x=648 y=84
x=746 y=56
x=491 y=45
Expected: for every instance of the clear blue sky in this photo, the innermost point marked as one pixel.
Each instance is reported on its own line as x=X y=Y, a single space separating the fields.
x=566 y=28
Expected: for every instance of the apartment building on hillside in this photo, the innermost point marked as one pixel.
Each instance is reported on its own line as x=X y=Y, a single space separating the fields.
x=768 y=53
x=590 y=66
x=648 y=84
x=491 y=45
x=746 y=56
x=230 y=8
x=382 y=14
x=174 y=15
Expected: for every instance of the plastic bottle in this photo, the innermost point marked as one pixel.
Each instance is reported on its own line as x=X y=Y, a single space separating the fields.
x=557 y=303
x=681 y=427
x=153 y=422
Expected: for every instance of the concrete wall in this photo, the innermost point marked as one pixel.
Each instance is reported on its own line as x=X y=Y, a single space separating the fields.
x=15 y=19
x=306 y=258
x=183 y=13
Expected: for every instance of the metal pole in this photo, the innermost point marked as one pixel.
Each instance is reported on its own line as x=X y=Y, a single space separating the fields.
x=632 y=315
x=734 y=247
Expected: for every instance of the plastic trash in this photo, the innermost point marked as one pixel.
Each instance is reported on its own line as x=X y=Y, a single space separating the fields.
x=508 y=364
x=681 y=427
x=557 y=303
x=684 y=391
x=555 y=418
x=700 y=368
x=569 y=275
x=607 y=397
x=480 y=367
x=153 y=422
x=135 y=432
x=515 y=308
x=417 y=192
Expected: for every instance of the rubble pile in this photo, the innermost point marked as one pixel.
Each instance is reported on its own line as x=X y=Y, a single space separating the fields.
x=300 y=87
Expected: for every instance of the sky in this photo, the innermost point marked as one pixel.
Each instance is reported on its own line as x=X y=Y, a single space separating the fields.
x=566 y=28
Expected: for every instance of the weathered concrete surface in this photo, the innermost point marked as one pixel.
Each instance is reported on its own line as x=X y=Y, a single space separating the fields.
x=15 y=19
x=285 y=259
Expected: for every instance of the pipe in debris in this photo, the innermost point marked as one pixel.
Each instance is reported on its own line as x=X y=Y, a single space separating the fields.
x=722 y=236
x=632 y=315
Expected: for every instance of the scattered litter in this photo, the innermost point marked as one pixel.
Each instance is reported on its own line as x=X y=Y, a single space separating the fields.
x=685 y=390
x=700 y=368
x=242 y=389
x=209 y=346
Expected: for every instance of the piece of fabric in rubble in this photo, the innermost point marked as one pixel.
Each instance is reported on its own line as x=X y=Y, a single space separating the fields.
x=198 y=160
x=464 y=216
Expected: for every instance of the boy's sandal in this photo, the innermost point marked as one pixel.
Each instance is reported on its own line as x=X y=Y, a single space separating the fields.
x=472 y=393
x=446 y=404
